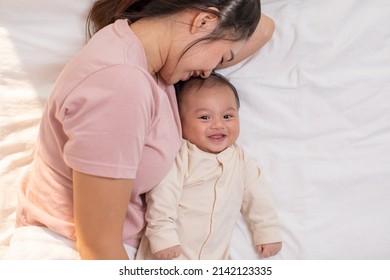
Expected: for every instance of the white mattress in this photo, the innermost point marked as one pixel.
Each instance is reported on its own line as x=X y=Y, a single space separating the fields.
x=315 y=114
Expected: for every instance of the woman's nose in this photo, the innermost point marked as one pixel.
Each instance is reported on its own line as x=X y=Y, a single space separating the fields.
x=205 y=74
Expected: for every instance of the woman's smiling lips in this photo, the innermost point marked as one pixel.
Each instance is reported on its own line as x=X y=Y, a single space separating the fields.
x=193 y=74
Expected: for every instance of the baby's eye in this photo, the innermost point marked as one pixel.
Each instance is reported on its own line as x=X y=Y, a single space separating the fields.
x=227 y=116
x=204 y=118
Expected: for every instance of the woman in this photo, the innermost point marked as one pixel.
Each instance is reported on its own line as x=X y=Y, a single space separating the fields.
x=110 y=129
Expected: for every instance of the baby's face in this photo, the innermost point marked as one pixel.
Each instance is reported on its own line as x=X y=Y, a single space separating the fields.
x=210 y=118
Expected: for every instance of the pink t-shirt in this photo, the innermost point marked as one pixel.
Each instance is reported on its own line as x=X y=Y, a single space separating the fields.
x=106 y=117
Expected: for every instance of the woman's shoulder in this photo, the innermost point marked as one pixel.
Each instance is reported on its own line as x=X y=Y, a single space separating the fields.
x=114 y=44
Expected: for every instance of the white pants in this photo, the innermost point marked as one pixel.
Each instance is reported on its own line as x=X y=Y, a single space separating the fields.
x=34 y=243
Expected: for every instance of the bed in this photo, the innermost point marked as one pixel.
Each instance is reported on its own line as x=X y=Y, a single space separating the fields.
x=315 y=115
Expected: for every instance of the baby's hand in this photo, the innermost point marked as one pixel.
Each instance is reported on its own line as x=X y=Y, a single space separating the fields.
x=169 y=253
x=269 y=250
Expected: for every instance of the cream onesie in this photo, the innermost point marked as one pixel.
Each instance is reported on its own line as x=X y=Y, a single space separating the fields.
x=198 y=203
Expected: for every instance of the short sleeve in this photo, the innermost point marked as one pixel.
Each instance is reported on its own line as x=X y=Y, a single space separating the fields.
x=106 y=119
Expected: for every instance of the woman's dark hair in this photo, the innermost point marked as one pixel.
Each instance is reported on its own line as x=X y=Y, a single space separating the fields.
x=213 y=80
x=238 y=18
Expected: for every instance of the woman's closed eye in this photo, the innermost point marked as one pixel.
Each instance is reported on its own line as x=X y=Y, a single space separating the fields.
x=228 y=60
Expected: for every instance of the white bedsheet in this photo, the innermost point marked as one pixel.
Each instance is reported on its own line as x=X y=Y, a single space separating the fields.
x=315 y=114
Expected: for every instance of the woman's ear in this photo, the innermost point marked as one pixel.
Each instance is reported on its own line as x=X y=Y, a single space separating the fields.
x=204 y=21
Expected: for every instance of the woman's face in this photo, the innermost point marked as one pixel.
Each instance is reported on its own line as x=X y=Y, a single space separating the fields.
x=198 y=60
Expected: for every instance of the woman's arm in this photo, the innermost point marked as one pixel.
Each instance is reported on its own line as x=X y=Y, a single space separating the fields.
x=259 y=38
x=100 y=206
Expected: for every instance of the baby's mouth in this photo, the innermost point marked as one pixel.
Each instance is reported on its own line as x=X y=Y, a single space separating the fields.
x=217 y=137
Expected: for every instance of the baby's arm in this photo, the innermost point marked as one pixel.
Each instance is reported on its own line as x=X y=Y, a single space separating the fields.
x=169 y=253
x=269 y=250
x=161 y=215
x=258 y=209
x=162 y=211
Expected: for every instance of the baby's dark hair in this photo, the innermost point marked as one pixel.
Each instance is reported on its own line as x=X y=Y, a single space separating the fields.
x=213 y=80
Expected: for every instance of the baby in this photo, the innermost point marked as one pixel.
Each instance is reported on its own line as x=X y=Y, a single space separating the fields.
x=192 y=212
